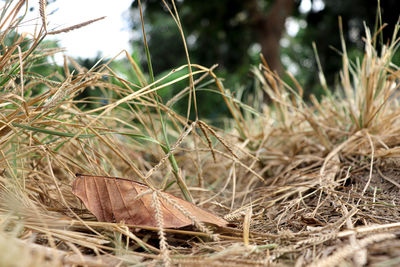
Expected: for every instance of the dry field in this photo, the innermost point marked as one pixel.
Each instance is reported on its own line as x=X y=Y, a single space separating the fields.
x=299 y=183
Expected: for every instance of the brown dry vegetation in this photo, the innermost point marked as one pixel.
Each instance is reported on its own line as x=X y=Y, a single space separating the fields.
x=301 y=184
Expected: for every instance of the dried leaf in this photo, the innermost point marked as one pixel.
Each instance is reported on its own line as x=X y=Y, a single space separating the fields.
x=114 y=199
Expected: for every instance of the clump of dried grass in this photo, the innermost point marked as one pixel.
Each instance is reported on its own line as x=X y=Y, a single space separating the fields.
x=323 y=158
x=46 y=138
x=300 y=183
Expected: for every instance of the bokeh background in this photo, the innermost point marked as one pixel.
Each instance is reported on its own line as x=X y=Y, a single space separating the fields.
x=230 y=33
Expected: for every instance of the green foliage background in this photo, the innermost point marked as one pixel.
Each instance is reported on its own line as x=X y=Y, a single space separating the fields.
x=222 y=32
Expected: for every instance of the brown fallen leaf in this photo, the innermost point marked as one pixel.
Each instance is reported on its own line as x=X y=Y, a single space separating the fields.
x=113 y=199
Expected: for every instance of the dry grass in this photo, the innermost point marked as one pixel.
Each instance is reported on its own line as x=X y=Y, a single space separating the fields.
x=300 y=183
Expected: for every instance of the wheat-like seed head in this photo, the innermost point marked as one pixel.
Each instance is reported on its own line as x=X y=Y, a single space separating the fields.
x=76 y=26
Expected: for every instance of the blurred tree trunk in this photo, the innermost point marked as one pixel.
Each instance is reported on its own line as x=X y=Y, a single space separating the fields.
x=270 y=27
